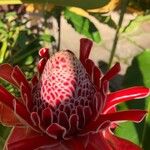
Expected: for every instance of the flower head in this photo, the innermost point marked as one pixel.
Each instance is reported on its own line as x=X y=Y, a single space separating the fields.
x=67 y=105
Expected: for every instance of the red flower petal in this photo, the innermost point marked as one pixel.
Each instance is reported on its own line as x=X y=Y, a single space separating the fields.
x=97 y=141
x=89 y=67
x=5 y=73
x=24 y=138
x=7 y=116
x=125 y=95
x=131 y=115
x=41 y=65
x=24 y=86
x=17 y=78
x=111 y=73
x=85 y=49
x=56 y=131
x=118 y=143
x=16 y=106
x=96 y=77
x=34 y=81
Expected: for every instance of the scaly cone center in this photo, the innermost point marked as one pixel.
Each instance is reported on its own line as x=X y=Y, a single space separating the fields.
x=64 y=82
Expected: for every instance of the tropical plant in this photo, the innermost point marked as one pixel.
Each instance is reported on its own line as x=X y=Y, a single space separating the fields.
x=67 y=105
x=82 y=124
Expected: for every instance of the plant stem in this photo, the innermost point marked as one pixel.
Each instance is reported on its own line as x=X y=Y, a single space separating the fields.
x=57 y=14
x=59 y=31
x=124 y=4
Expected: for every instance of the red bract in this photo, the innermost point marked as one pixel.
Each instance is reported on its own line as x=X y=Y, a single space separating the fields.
x=67 y=106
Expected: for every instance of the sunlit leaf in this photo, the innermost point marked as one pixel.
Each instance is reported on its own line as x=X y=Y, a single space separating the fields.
x=82 y=25
x=135 y=23
x=82 y=3
x=39 y=7
x=109 y=7
x=79 y=11
x=47 y=38
x=3 y=51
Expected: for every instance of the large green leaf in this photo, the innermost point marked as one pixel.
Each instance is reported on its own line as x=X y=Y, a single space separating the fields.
x=82 y=3
x=82 y=25
x=138 y=74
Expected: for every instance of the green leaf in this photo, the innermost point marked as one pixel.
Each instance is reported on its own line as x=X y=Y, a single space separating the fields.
x=82 y=3
x=105 y=19
x=82 y=25
x=4 y=132
x=30 y=50
x=135 y=23
x=3 y=51
x=126 y=130
x=22 y=39
x=29 y=60
x=2 y=25
x=137 y=74
x=47 y=38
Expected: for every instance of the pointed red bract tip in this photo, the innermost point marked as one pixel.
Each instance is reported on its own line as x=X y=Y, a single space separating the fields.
x=112 y=72
x=44 y=53
x=137 y=92
x=85 y=49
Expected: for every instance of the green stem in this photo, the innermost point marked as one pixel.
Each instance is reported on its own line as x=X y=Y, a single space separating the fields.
x=124 y=4
x=58 y=13
x=59 y=31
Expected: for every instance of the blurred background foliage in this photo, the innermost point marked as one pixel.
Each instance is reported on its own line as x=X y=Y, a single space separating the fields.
x=22 y=34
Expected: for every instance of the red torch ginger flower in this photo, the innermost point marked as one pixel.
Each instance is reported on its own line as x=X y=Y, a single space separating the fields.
x=67 y=106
